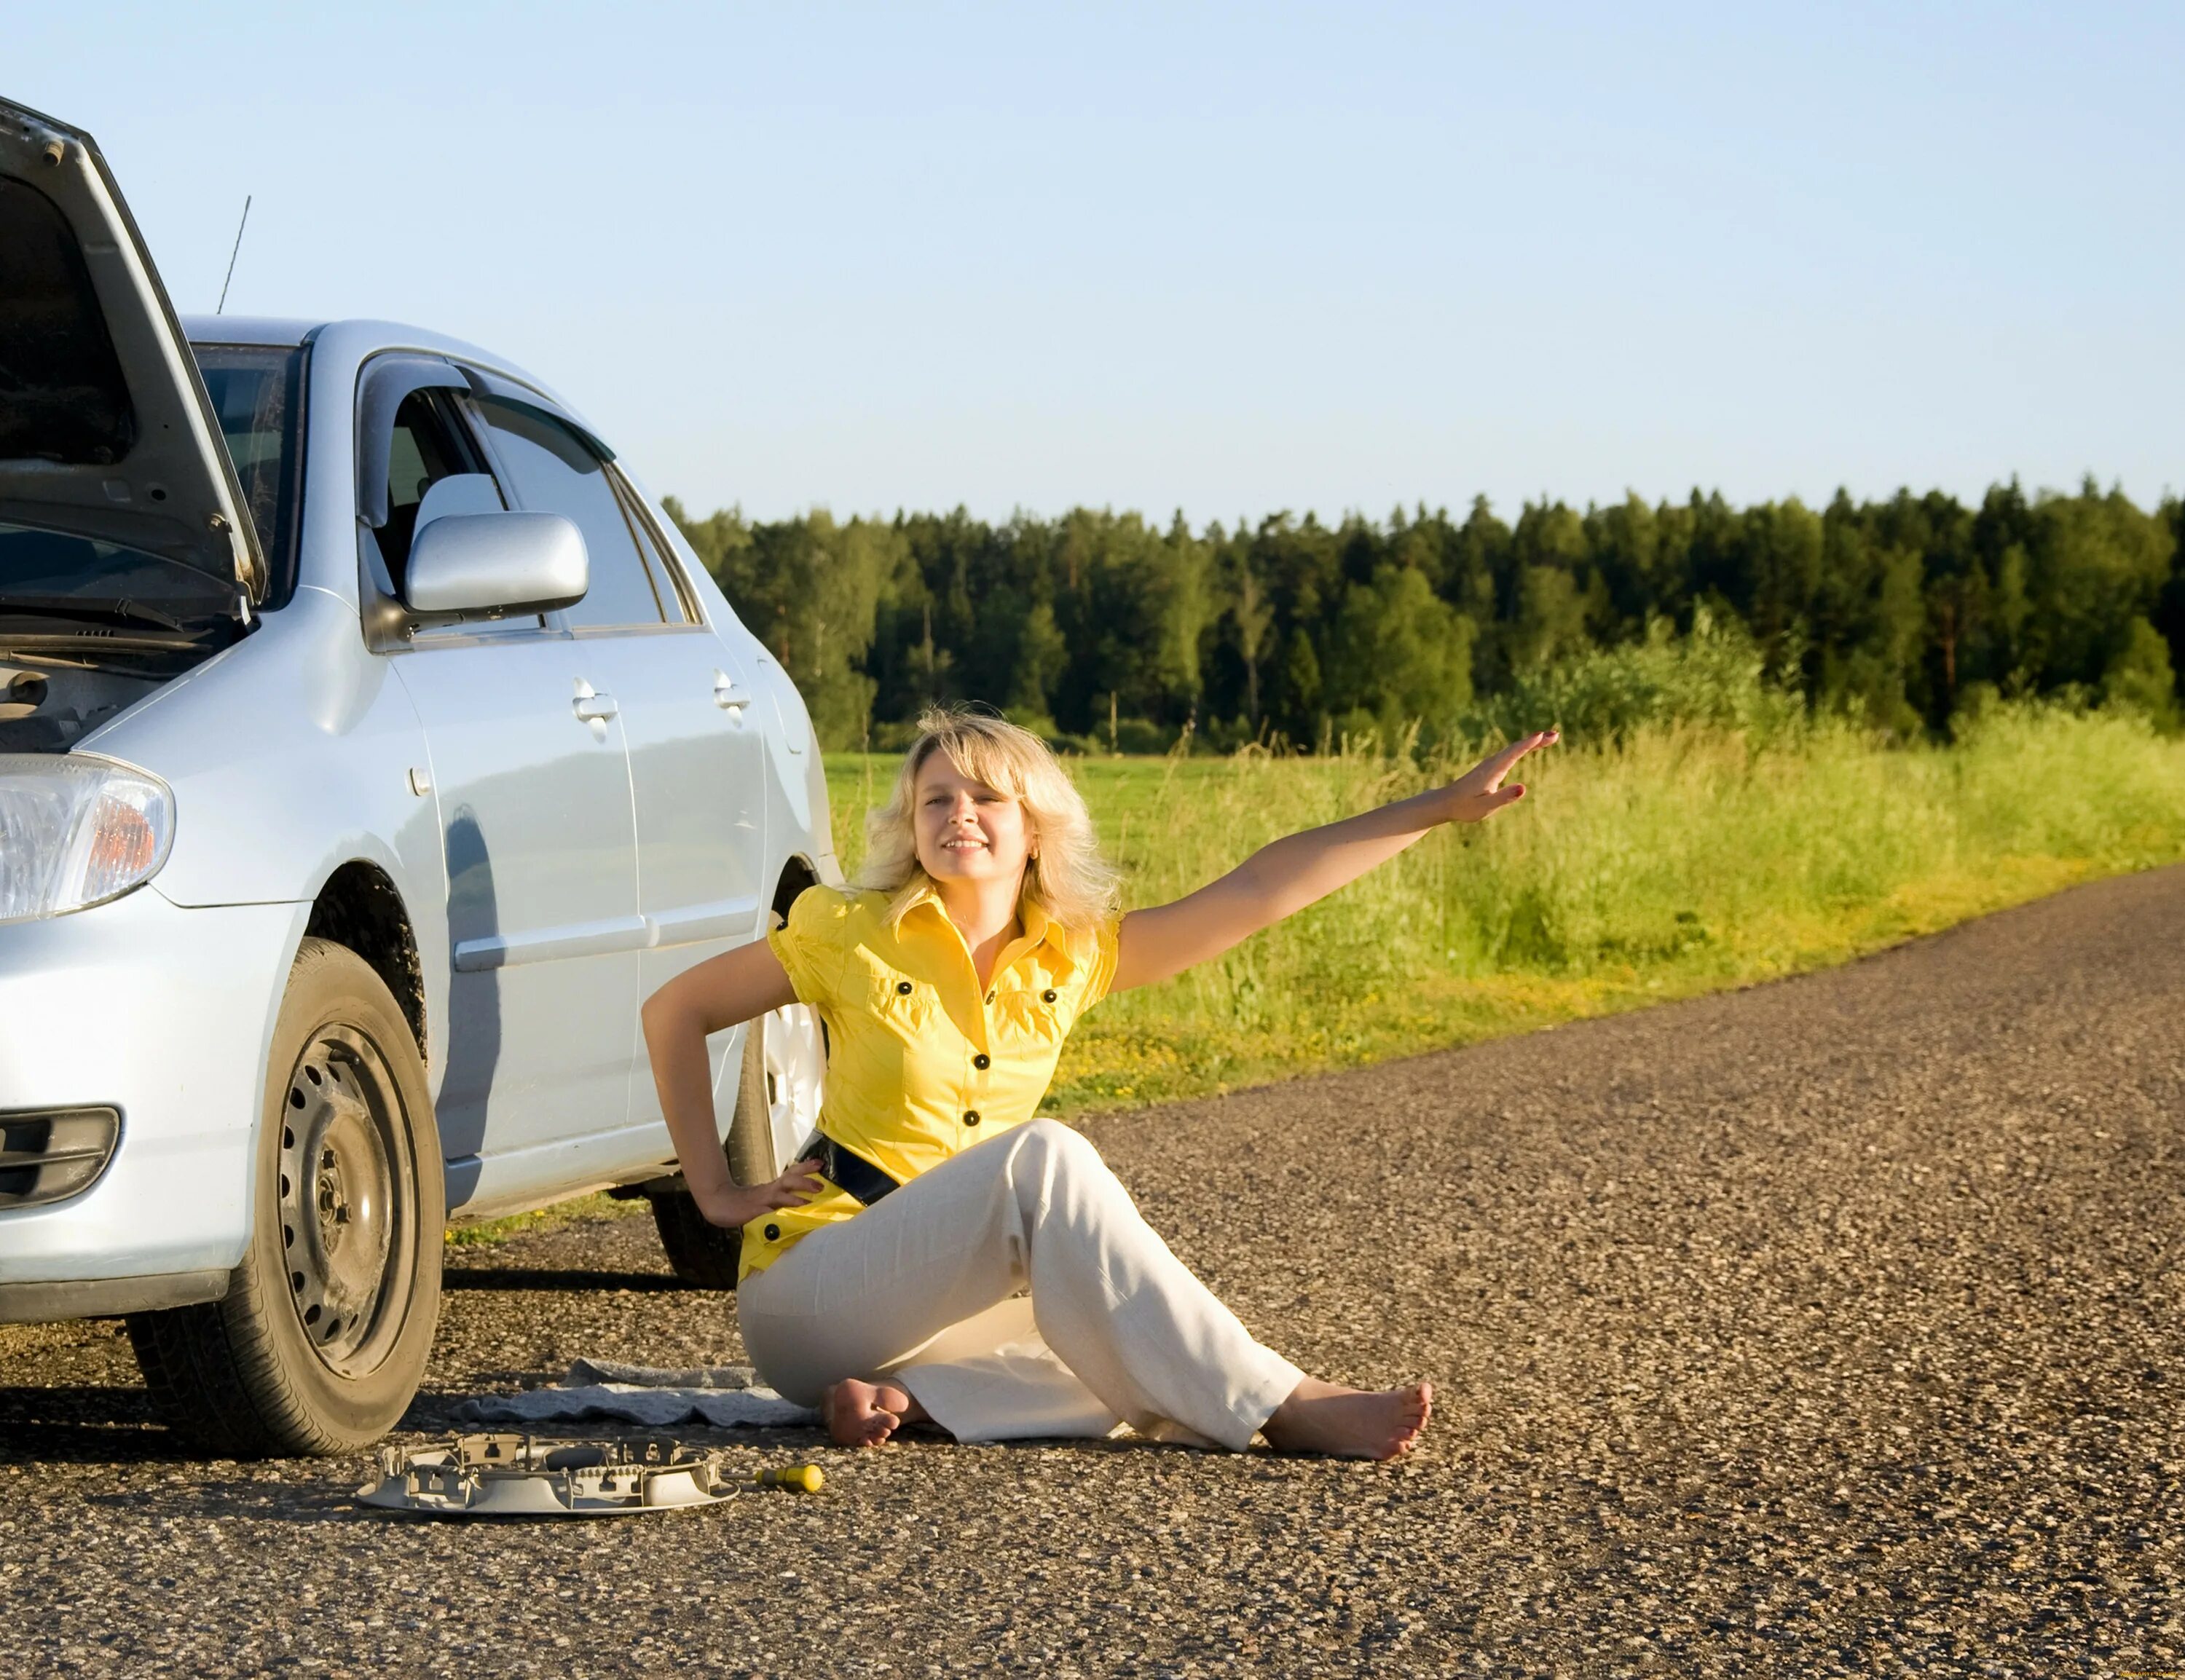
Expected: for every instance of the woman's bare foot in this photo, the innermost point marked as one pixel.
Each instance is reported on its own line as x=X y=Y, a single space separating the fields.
x=865 y=1413
x=1348 y=1423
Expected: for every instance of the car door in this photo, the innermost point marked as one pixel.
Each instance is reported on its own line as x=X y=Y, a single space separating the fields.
x=530 y=772
x=685 y=702
x=697 y=751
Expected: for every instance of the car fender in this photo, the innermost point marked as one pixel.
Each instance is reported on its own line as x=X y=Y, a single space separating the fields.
x=293 y=753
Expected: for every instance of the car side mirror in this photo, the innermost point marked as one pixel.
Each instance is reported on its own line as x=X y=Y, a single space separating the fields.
x=484 y=565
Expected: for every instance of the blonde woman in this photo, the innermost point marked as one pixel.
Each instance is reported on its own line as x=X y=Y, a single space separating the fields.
x=944 y=1257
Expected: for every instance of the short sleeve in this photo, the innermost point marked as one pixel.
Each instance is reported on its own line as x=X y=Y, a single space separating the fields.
x=1107 y=950
x=812 y=943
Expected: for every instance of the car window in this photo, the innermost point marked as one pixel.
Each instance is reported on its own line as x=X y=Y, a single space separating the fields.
x=54 y=565
x=427 y=447
x=257 y=392
x=553 y=471
x=666 y=581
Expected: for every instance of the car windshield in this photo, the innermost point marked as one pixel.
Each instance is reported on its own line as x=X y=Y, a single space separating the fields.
x=51 y=569
x=257 y=392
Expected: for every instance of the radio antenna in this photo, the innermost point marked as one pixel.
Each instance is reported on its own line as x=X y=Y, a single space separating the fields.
x=234 y=254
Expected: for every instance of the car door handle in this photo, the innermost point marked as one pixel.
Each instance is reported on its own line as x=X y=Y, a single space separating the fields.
x=595 y=708
x=728 y=694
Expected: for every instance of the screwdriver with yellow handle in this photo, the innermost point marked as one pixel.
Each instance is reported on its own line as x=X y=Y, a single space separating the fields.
x=798 y=1478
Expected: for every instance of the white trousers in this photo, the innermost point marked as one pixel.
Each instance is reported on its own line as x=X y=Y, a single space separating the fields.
x=924 y=1288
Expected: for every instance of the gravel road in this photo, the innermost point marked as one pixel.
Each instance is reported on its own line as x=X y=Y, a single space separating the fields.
x=1828 y=1327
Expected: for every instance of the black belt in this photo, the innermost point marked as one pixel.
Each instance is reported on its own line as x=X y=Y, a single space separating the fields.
x=851 y=1174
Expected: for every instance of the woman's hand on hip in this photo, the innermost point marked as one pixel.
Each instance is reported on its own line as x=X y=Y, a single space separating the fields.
x=1479 y=792
x=740 y=1205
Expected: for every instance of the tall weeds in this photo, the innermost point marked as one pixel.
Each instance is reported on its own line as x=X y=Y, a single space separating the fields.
x=1655 y=859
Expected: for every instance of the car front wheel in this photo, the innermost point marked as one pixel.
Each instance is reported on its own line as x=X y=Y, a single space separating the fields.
x=323 y=1338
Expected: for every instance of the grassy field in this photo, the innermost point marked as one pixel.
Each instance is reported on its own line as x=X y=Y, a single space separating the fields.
x=1685 y=859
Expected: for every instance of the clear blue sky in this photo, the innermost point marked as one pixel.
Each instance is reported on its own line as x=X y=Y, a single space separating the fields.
x=1225 y=259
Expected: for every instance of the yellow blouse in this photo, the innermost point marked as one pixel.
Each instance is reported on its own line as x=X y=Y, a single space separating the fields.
x=919 y=1064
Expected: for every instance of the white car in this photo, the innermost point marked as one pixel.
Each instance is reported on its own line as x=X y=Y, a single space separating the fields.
x=371 y=745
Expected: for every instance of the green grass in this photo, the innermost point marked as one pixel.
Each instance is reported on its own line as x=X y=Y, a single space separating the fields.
x=592 y=1209
x=1685 y=859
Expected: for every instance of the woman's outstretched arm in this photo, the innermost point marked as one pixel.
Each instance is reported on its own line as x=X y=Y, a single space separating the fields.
x=736 y=986
x=1282 y=878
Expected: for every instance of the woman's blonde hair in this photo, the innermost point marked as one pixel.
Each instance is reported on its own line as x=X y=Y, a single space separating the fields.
x=1067 y=877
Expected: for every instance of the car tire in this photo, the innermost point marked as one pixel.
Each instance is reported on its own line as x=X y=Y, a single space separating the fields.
x=699 y=1252
x=321 y=1340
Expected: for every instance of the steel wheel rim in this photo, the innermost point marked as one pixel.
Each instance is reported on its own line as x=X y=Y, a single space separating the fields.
x=794 y=1058
x=347 y=1237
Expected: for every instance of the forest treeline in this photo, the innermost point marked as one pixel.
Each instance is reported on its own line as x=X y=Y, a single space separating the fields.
x=1105 y=629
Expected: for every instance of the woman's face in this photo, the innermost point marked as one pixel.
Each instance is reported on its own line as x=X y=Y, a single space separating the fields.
x=967 y=831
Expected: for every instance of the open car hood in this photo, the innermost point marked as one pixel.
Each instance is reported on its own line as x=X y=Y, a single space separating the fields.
x=105 y=428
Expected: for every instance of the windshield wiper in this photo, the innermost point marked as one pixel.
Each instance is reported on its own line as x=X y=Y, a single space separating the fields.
x=100 y=612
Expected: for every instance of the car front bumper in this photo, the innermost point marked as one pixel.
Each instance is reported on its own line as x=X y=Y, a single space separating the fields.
x=164 y=1015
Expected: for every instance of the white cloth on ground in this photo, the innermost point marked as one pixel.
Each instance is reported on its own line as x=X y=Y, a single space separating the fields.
x=924 y=1288
x=727 y=1397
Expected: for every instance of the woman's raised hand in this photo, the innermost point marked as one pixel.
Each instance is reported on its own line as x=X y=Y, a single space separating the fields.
x=740 y=1205
x=1281 y=879
x=1479 y=793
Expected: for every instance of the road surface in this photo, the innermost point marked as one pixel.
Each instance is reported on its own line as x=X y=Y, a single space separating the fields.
x=1831 y=1327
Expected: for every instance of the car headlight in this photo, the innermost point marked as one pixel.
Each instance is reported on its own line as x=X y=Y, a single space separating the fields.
x=75 y=832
